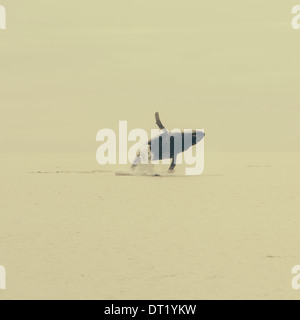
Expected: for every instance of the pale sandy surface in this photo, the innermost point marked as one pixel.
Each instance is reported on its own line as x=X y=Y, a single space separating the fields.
x=231 y=233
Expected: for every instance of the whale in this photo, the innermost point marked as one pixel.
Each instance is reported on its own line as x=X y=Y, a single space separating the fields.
x=168 y=145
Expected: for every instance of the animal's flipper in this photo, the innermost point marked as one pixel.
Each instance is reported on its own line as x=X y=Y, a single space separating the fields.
x=158 y=122
x=173 y=165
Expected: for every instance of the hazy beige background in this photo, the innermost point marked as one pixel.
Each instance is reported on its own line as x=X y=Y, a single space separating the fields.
x=70 y=68
x=70 y=229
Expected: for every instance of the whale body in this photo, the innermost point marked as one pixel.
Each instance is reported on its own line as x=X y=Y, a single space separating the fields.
x=168 y=145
